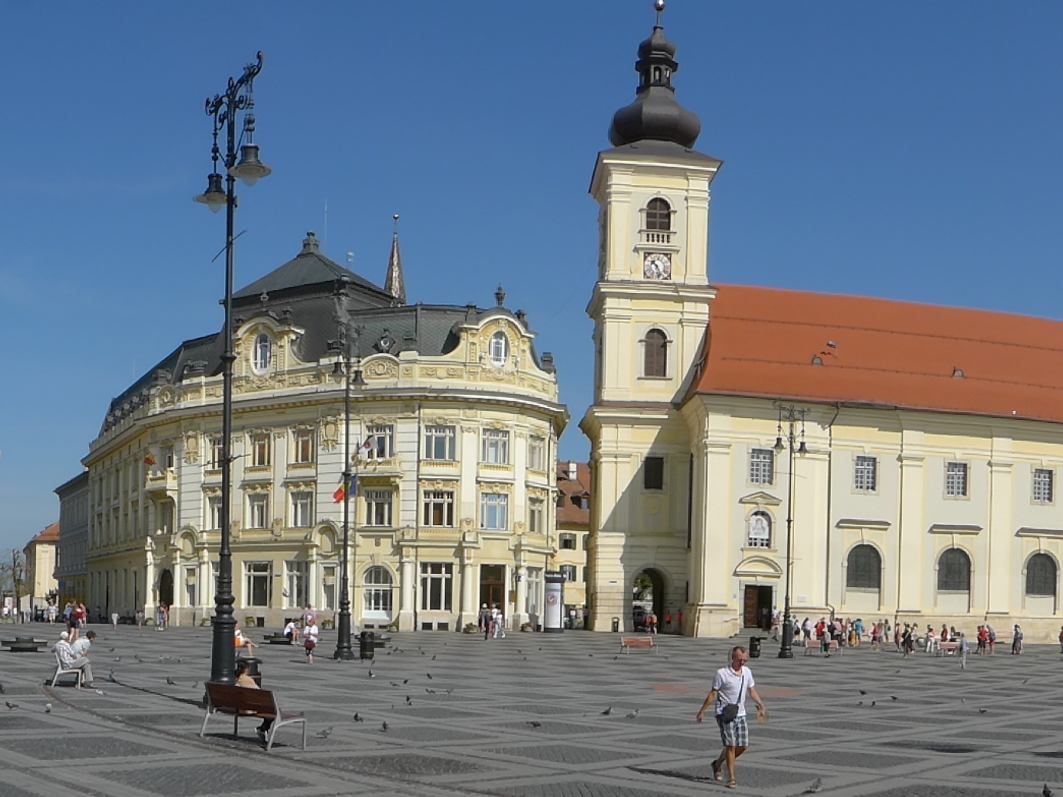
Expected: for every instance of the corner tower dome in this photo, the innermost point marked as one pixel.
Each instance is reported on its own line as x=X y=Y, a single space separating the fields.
x=655 y=114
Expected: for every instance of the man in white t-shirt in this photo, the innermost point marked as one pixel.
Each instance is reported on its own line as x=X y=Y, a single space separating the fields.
x=730 y=686
x=71 y=661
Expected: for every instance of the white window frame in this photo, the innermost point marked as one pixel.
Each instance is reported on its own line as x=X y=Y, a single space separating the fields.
x=261 y=449
x=441 y=501
x=494 y=447
x=440 y=440
x=303 y=447
x=302 y=502
x=191 y=583
x=1043 y=485
x=216 y=459
x=381 y=439
x=498 y=349
x=378 y=507
x=258 y=510
x=570 y=572
x=761 y=466
x=957 y=479
x=377 y=593
x=254 y=571
x=213 y=512
x=865 y=473
x=437 y=582
x=536 y=453
x=536 y=515
x=494 y=511
x=759 y=541
x=297 y=583
x=328 y=586
x=263 y=353
x=564 y=537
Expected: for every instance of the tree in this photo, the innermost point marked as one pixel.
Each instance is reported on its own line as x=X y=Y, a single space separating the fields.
x=13 y=577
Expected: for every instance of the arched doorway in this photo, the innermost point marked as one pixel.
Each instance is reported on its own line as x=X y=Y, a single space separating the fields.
x=166 y=587
x=647 y=595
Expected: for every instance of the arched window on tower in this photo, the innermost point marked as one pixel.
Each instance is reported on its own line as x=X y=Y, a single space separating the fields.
x=864 y=568
x=1041 y=575
x=954 y=571
x=655 y=354
x=658 y=215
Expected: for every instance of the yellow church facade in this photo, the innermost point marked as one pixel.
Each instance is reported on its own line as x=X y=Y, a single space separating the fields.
x=755 y=448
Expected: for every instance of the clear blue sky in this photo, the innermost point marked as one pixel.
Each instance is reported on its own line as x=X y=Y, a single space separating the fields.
x=909 y=150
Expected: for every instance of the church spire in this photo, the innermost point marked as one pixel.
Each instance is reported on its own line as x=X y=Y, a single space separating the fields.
x=394 y=283
x=655 y=114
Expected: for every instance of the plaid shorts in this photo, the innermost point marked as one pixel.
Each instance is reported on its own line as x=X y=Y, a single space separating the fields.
x=734 y=734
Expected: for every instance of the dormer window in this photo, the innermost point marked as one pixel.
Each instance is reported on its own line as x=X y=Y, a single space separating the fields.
x=499 y=349
x=263 y=354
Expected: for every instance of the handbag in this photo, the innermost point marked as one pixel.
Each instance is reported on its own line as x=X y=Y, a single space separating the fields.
x=730 y=711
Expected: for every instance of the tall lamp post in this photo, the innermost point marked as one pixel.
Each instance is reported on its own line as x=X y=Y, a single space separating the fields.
x=225 y=108
x=792 y=416
x=348 y=369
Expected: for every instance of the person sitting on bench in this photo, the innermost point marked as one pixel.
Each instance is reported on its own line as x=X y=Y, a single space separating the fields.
x=246 y=681
x=243 y=641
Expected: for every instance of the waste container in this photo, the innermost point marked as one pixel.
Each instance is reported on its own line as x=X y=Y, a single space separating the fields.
x=754 y=646
x=616 y=625
x=254 y=667
x=366 y=645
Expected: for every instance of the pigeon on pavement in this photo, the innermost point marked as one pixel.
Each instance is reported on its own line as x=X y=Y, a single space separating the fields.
x=357 y=718
x=817 y=784
x=325 y=733
x=607 y=712
x=1046 y=792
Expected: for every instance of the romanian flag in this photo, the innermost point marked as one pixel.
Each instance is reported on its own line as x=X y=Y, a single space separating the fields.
x=341 y=492
x=149 y=459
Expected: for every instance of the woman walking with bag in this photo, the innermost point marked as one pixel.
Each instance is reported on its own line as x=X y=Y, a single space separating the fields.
x=730 y=686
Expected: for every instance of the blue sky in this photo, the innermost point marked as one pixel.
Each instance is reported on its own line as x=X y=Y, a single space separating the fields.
x=908 y=150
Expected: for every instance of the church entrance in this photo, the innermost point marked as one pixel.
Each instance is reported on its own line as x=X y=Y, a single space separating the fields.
x=166 y=588
x=756 y=609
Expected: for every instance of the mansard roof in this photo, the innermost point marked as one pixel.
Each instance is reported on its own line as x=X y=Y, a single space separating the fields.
x=855 y=350
x=308 y=293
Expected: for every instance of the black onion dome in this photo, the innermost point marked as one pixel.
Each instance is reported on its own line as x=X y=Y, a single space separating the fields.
x=655 y=114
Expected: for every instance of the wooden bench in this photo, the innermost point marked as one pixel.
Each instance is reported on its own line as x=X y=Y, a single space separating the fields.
x=241 y=701
x=947 y=648
x=277 y=639
x=629 y=642
x=23 y=644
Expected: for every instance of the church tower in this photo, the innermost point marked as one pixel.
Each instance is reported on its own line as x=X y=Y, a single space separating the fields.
x=651 y=310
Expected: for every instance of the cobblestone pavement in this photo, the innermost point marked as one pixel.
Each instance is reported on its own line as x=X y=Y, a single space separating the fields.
x=524 y=717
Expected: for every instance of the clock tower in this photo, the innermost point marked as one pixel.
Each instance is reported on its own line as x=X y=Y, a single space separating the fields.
x=651 y=310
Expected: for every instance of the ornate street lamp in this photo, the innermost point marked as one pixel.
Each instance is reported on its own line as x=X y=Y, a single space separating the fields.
x=792 y=416
x=348 y=369
x=237 y=100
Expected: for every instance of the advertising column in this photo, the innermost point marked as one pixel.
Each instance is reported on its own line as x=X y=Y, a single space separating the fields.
x=555 y=602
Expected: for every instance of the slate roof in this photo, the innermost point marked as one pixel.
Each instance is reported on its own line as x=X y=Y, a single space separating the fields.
x=766 y=342
x=312 y=292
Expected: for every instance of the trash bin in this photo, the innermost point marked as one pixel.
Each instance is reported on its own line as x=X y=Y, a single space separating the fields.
x=616 y=625
x=254 y=667
x=754 y=646
x=366 y=645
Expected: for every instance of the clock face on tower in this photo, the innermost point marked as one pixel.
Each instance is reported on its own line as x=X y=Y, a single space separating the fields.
x=657 y=266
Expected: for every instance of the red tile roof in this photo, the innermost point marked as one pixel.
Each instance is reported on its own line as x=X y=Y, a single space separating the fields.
x=762 y=342
x=50 y=534
x=568 y=514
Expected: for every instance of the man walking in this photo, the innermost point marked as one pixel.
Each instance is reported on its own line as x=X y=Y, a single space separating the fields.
x=730 y=686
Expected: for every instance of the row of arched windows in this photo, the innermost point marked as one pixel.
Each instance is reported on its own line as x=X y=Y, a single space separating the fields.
x=864 y=571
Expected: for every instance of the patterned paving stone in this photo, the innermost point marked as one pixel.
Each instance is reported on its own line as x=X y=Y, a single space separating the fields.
x=562 y=753
x=864 y=760
x=578 y=788
x=83 y=747
x=408 y=765
x=1020 y=771
x=197 y=779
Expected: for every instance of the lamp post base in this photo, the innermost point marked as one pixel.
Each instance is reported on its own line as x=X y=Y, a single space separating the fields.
x=344 y=654
x=786 y=649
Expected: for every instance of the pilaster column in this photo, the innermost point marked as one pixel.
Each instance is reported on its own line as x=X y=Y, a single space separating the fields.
x=406 y=608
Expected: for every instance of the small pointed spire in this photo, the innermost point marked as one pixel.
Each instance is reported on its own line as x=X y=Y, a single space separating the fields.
x=394 y=283
x=500 y=296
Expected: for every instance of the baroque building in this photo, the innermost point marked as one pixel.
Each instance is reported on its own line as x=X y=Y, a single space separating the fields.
x=455 y=418
x=71 y=556
x=861 y=457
